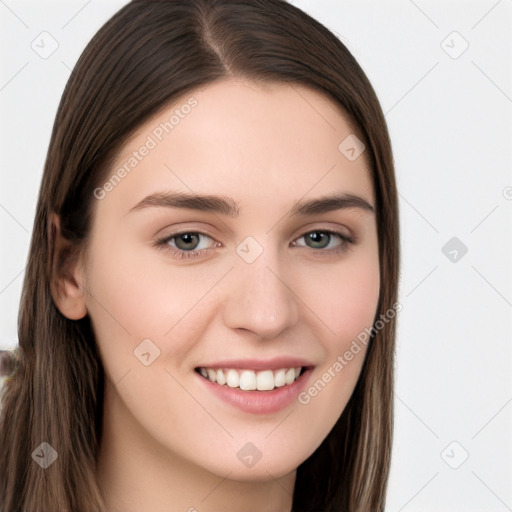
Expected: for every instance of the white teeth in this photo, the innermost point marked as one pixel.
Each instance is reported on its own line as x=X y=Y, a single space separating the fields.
x=265 y=380
x=249 y=380
x=279 y=378
x=232 y=379
x=290 y=376
x=221 y=378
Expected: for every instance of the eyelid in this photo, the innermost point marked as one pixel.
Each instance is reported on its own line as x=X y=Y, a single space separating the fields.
x=328 y=227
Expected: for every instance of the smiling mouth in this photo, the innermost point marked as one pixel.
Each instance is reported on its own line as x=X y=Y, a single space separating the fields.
x=250 y=380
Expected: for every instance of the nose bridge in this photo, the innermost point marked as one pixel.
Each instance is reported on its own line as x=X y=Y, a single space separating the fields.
x=259 y=300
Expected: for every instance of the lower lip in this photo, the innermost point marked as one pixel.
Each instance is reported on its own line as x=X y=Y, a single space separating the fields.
x=259 y=402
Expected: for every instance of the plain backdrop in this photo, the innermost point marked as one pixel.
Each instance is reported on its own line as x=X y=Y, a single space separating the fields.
x=443 y=74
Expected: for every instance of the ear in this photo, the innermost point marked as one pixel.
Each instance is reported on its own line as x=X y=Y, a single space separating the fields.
x=67 y=274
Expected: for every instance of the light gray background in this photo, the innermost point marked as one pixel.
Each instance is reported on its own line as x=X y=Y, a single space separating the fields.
x=450 y=117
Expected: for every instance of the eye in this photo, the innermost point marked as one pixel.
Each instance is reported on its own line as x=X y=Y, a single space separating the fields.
x=324 y=241
x=187 y=244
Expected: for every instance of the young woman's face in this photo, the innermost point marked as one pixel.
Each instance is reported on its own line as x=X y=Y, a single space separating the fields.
x=273 y=266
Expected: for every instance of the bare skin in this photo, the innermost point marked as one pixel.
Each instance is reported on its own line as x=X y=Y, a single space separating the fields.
x=169 y=443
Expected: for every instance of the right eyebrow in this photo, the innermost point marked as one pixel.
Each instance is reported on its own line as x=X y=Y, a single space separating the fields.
x=207 y=203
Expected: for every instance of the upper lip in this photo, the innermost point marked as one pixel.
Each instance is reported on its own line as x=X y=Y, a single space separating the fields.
x=275 y=363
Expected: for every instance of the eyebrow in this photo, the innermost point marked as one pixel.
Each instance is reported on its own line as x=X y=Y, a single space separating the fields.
x=227 y=206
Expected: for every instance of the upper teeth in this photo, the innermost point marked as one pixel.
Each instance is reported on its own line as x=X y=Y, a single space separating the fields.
x=249 y=380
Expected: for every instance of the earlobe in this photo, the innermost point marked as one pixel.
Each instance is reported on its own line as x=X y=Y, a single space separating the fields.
x=67 y=277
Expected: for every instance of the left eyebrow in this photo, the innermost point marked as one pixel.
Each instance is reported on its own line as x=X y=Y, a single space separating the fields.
x=331 y=203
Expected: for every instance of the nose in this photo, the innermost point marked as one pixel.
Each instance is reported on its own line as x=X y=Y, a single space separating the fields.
x=260 y=298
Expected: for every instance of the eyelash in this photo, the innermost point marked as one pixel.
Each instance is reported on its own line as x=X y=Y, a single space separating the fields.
x=163 y=243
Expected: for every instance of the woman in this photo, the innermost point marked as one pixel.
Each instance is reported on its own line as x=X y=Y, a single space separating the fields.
x=208 y=312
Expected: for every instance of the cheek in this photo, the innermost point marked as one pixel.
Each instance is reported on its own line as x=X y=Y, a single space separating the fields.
x=132 y=301
x=344 y=298
x=145 y=299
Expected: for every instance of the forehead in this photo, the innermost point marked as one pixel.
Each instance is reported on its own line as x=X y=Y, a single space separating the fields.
x=258 y=141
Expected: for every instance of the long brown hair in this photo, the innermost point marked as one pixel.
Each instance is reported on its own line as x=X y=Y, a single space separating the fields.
x=147 y=55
